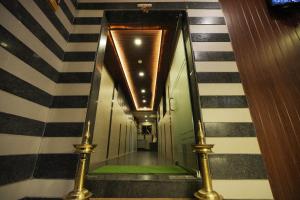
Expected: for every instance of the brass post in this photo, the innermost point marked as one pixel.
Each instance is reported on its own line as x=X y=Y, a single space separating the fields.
x=84 y=149
x=206 y=192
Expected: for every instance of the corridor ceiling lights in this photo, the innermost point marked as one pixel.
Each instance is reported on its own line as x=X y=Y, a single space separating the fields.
x=138 y=42
x=141 y=74
x=140 y=61
x=144 y=101
x=116 y=36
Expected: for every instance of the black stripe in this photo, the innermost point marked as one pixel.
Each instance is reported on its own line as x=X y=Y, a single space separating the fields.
x=214 y=56
x=223 y=129
x=82 y=37
x=79 y=56
x=74 y=2
x=75 y=77
x=20 y=50
x=18 y=87
x=87 y=20
x=218 y=77
x=69 y=102
x=223 y=102
x=210 y=37
x=206 y=20
x=53 y=18
x=61 y=129
x=36 y=29
x=67 y=11
x=16 y=168
x=237 y=166
x=13 y=124
x=155 y=5
x=56 y=166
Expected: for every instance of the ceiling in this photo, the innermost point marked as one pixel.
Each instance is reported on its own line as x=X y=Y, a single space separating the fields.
x=139 y=52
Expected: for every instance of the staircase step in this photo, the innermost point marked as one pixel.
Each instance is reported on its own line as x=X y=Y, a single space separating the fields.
x=142 y=186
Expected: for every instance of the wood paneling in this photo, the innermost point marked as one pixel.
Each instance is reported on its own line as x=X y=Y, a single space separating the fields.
x=267 y=50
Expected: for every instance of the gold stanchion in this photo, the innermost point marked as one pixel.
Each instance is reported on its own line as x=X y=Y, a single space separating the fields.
x=85 y=148
x=206 y=192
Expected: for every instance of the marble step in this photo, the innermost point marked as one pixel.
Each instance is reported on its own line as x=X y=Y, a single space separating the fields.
x=142 y=186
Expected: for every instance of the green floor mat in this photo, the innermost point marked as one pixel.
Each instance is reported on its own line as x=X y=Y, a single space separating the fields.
x=138 y=169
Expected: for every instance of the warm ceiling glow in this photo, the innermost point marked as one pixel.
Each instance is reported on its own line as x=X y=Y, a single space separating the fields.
x=137 y=41
x=141 y=74
x=126 y=69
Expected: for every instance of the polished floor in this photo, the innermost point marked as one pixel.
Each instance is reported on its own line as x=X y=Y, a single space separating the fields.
x=138 y=158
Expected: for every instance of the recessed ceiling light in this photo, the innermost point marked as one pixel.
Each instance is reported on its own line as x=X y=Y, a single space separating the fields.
x=140 y=61
x=144 y=101
x=137 y=41
x=146 y=116
x=146 y=120
x=141 y=74
x=143 y=90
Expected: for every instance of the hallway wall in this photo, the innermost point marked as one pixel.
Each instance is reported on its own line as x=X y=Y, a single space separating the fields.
x=267 y=55
x=46 y=60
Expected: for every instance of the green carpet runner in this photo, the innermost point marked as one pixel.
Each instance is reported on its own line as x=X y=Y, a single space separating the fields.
x=138 y=169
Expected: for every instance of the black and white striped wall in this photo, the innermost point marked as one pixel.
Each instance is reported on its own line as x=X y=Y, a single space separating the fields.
x=237 y=167
x=46 y=61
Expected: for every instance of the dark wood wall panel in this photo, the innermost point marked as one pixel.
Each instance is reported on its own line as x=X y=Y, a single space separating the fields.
x=267 y=50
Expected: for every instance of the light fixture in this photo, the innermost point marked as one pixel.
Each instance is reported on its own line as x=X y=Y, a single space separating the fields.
x=137 y=41
x=144 y=101
x=141 y=74
x=146 y=116
x=143 y=91
x=146 y=120
x=116 y=36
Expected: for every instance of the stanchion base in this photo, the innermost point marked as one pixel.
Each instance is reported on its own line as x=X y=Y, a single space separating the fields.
x=79 y=195
x=205 y=195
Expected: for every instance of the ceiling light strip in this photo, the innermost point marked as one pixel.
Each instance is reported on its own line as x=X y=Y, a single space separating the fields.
x=125 y=67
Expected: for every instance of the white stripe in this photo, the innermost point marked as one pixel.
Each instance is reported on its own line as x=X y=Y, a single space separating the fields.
x=8 y=21
x=36 y=188
x=18 y=144
x=205 y=13
x=66 y=115
x=90 y=13
x=234 y=145
x=78 y=67
x=64 y=20
x=71 y=7
x=226 y=66
x=208 y=29
x=82 y=46
x=221 y=89
x=69 y=89
x=59 y=144
x=86 y=29
x=212 y=46
x=18 y=68
x=226 y=115
x=18 y=106
x=243 y=189
x=43 y=20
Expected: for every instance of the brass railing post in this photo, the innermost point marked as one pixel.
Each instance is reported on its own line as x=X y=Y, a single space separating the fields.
x=84 y=149
x=206 y=192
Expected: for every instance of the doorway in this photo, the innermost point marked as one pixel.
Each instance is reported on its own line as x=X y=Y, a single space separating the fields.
x=144 y=120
